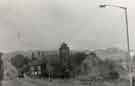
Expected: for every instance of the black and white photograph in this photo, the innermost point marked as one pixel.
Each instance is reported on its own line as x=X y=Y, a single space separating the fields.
x=67 y=43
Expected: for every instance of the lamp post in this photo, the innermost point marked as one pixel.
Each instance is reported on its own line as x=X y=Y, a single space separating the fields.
x=127 y=34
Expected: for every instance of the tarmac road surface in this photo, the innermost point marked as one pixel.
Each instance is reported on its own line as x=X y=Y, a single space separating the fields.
x=21 y=82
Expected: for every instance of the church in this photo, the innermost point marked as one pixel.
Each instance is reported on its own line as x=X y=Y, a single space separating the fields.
x=64 y=53
x=38 y=68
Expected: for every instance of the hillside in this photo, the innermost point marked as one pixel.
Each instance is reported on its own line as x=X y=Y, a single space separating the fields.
x=113 y=54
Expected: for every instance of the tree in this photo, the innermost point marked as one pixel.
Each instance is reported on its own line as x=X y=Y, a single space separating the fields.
x=1 y=67
x=20 y=62
x=93 y=66
x=107 y=71
x=75 y=63
x=77 y=58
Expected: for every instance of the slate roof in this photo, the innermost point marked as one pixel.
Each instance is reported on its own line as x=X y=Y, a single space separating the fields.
x=36 y=62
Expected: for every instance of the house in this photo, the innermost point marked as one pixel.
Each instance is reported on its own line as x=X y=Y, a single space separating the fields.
x=37 y=68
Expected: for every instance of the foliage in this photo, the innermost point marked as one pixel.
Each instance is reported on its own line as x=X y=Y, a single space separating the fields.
x=20 y=62
x=1 y=69
x=77 y=58
x=109 y=70
x=75 y=63
x=95 y=67
x=67 y=69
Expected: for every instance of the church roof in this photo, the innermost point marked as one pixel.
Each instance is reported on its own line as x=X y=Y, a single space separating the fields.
x=64 y=45
x=35 y=63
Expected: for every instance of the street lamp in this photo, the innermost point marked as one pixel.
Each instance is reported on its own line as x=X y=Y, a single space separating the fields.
x=106 y=5
x=126 y=19
x=127 y=34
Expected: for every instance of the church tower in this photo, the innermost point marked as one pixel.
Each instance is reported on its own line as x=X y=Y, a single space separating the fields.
x=64 y=53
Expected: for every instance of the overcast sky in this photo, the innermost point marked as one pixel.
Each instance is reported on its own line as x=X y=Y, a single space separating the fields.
x=45 y=24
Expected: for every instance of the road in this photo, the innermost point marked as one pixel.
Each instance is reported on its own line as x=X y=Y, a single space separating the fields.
x=33 y=82
x=23 y=82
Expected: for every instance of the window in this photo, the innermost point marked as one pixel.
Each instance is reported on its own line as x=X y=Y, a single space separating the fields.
x=39 y=68
x=32 y=68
